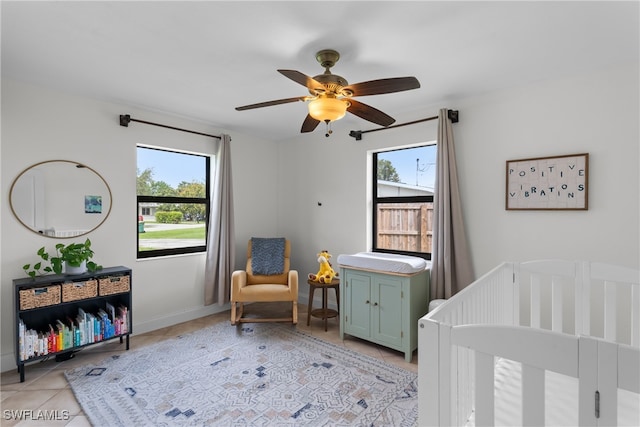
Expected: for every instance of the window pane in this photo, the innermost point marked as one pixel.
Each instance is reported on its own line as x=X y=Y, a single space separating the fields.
x=171 y=229
x=403 y=200
x=162 y=173
x=406 y=227
x=173 y=205
x=411 y=171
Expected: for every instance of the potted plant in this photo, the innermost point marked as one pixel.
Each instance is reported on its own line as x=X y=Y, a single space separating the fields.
x=75 y=258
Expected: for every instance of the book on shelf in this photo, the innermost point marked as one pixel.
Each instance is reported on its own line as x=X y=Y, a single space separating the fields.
x=73 y=331
x=123 y=316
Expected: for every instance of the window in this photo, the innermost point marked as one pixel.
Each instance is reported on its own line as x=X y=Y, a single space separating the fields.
x=403 y=184
x=173 y=203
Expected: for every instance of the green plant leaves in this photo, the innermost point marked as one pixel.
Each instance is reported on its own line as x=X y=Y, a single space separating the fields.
x=73 y=254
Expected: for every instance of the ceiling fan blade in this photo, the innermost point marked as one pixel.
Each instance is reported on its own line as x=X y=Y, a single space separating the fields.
x=270 y=103
x=304 y=80
x=381 y=86
x=309 y=124
x=369 y=113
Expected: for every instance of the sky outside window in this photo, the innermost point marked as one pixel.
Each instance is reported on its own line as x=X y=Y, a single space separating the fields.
x=415 y=166
x=171 y=167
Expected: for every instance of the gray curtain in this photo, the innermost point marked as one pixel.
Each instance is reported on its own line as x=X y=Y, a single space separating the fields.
x=451 y=261
x=221 y=252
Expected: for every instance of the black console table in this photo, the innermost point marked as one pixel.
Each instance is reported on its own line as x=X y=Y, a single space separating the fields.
x=57 y=314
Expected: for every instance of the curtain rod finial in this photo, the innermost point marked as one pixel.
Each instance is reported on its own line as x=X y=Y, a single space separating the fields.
x=125 y=119
x=453 y=116
x=357 y=134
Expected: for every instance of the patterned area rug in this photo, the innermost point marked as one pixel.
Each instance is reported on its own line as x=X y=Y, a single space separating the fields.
x=255 y=375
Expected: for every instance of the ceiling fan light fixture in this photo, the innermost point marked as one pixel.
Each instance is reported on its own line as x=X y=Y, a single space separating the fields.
x=328 y=109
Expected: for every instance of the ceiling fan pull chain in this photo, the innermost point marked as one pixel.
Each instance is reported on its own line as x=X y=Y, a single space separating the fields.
x=329 y=131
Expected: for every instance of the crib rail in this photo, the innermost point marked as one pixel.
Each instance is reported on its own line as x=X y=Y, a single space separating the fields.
x=553 y=298
x=490 y=300
x=598 y=365
x=445 y=371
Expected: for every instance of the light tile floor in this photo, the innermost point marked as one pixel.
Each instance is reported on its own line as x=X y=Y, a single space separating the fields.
x=46 y=388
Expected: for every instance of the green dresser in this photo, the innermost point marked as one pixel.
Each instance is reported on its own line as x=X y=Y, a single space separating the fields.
x=383 y=307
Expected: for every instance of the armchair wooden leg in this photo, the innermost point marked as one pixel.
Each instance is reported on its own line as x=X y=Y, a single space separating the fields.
x=240 y=311
x=233 y=312
x=295 y=312
x=237 y=309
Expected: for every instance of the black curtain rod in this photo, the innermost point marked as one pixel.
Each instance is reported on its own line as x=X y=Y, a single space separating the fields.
x=125 y=119
x=452 y=114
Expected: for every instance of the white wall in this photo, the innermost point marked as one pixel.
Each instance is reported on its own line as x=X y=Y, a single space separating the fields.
x=38 y=125
x=595 y=113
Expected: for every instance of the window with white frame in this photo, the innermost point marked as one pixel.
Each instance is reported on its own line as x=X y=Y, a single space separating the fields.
x=172 y=202
x=403 y=186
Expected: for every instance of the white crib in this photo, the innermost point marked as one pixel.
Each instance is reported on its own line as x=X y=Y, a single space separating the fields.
x=547 y=342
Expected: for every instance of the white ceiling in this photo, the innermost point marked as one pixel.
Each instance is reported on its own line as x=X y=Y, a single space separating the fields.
x=201 y=59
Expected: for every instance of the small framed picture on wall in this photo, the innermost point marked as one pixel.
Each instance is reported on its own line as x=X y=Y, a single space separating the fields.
x=548 y=183
x=93 y=204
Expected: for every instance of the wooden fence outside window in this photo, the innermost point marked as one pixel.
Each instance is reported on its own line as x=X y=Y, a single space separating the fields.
x=405 y=226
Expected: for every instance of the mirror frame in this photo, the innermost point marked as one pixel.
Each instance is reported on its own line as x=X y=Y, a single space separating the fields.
x=56 y=161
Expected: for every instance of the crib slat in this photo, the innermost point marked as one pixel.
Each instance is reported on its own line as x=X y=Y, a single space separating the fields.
x=465 y=380
x=635 y=316
x=445 y=372
x=533 y=380
x=556 y=305
x=485 y=412
x=509 y=282
x=578 y=286
x=535 y=301
x=583 y=302
x=454 y=378
x=610 y=303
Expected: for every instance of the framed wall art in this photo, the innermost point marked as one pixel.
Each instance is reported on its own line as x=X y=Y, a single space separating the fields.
x=548 y=183
x=93 y=204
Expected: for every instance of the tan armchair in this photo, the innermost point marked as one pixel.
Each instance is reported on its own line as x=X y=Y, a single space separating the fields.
x=249 y=287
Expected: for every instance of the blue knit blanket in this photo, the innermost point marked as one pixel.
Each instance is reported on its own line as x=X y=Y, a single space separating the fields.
x=267 y=255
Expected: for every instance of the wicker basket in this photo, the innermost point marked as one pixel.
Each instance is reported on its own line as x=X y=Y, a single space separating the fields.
x=74 y=291
x=114 y=284
x=39 y=297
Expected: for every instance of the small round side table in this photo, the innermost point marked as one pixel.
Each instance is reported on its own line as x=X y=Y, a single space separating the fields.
x=323 y=313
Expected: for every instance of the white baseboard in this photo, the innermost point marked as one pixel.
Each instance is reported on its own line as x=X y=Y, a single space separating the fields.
x=175 y=318
x=8 y=362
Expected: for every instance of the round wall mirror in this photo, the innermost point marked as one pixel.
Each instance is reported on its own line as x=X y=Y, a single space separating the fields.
x=60 y=199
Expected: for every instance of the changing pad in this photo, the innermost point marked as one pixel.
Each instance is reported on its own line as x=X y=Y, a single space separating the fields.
x=378 y=261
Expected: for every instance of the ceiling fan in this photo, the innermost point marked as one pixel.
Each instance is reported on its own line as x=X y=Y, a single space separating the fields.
x=331 y=96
